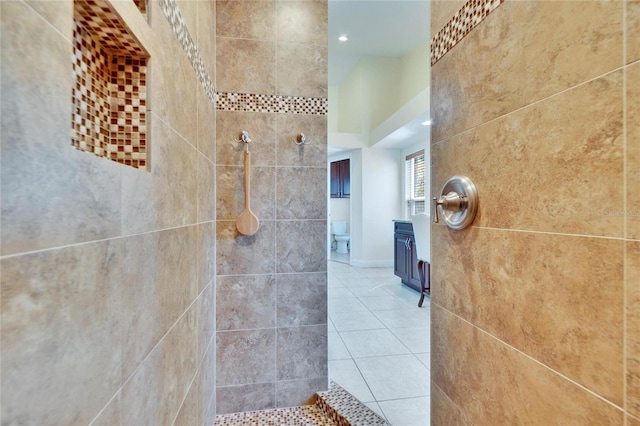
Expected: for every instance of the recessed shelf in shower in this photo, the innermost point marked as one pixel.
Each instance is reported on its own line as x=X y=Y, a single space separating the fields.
x=109 y=97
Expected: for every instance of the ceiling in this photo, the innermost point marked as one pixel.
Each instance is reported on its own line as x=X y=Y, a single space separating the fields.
x=389 y=28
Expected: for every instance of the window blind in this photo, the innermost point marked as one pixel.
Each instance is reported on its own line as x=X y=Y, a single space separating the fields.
x=415 y=183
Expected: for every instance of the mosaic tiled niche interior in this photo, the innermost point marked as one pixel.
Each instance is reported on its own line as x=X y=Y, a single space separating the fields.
x=109 y=96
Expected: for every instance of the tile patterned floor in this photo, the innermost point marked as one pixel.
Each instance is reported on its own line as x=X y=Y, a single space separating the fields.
x=379 y=342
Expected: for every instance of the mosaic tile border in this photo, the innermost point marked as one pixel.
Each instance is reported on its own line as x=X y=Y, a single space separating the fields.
x=346 y=410
x=171 y=11
x=461 y=24
x=227 y=101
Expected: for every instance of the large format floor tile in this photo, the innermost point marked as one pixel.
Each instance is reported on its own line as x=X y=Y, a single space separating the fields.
x=379 y=348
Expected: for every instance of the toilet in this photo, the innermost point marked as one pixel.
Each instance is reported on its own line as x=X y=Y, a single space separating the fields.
x=341 y=236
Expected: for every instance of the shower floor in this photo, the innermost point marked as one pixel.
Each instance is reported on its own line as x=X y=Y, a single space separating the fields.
x=335 y=407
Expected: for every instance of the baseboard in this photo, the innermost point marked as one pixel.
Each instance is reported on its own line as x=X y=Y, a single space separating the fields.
x=371 y=263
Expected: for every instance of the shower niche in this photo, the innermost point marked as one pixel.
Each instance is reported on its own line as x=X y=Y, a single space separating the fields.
x=109 y=95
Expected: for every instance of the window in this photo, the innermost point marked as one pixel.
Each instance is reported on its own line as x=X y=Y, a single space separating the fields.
x=415 y=183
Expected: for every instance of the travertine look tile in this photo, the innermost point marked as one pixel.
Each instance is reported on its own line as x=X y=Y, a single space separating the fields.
x=301 y=299
x=303 y=22
x=633 y=30
x=230 y=187
x=533 y=162
x=239 y=254
x=163 y=269
x=61 y=337
x=51 y=194
x=207 y=319
x=262 y=129
x=206 y=35
x=245 y=66
x=234 y=399
x=301 y=193
x=206 y=187
x=467 y=92
x=314 y=127
x=206 y=126
x=632 y=421
x=633 y=327
x=301 y=246
x=302 y=352
x=208 y=367
x=206 y=252
x=293 y=393
x=546 y=306
x=239 y=348
x=443 y=411
x=111 y=414
x=442 y=12
x=172 y=83
x=632 y=213
x=302 y=70
x=166 y=196
x=59 y=14
x=191 y=411
x=254 y=20
x=493 y=384
x=245 y=301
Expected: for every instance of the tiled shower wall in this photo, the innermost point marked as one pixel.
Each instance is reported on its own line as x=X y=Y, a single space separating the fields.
x=271 y=287
x=536 y=307
x=107 y=272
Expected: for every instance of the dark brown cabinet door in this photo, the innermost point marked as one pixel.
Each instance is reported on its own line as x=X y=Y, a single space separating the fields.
x=340 y=179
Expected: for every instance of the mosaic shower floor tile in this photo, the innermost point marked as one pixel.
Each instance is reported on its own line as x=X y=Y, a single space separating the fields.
x=335 y=407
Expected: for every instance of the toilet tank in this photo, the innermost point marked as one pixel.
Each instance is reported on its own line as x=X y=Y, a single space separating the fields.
x=339 y=227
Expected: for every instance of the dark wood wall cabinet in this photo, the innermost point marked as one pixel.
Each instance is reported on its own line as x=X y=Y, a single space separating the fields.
x=340 y=179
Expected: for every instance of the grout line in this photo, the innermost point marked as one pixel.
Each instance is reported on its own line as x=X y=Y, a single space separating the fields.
x=564 y=234
x=546 y=367
x=477 y=126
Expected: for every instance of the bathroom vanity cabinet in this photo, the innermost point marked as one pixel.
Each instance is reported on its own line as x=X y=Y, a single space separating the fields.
x=405 y=264
x=340 y=179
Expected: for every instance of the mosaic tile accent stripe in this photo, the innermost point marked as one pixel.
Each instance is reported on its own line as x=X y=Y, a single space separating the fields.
x=172 y=13
x=470 y=15
x=227 y=101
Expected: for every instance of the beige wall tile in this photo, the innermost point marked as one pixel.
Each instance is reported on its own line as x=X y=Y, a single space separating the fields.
x=245 y=66
x=206 y=126
x=51 y=193
x=59 y=14
x=536 y=159
x=167 y=196
x=206 y=247
x=191 y=412
x=633 y=30
x=293 y=393
x=206 y=35
x=171 y=78
x=486 y=373
x=303 y=22
x=238 y=254
x=301 y=193
x=206 y=187
x=632 y=421
x=443 y=410
x=262 y=129
x=632 y=211
x=302 y=70
x=234 y=399
x=230 y=188
x=633 y=327
x=301 y=246
x=239 y=348
x=314 y=127
x=544 y=306
x=111 y=414
x=61 y=334
x=237 y=304
x=466 y=91
x=163 y=267
x=207 y=327
x=254 y=20
x=208 y=366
